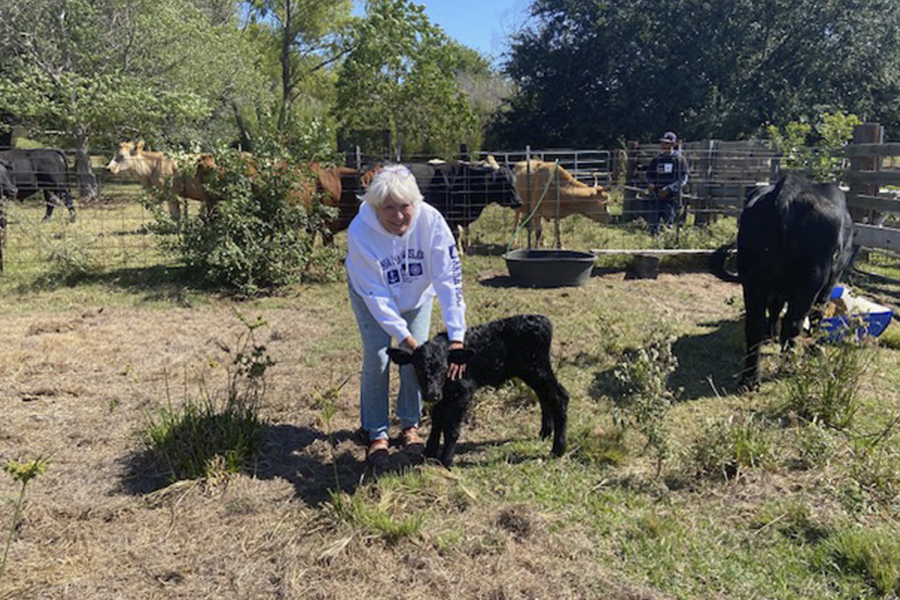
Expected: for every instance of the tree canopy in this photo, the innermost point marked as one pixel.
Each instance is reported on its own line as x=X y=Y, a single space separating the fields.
x=402 y=74
x=594 y=72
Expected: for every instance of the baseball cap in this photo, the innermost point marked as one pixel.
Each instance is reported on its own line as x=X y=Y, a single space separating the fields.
x=670 y=137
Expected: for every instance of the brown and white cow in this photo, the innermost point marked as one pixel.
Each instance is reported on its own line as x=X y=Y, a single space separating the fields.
x=157 y=170
x=555 y=192
x=334 y=186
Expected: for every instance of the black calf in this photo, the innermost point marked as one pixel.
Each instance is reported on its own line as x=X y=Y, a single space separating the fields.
x=495 y=353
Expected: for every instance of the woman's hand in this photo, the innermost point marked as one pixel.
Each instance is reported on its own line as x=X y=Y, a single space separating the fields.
x=409 y=343
x=456 y=370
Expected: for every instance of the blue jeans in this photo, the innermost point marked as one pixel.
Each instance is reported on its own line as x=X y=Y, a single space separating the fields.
x=662 y=209
x=375 y=379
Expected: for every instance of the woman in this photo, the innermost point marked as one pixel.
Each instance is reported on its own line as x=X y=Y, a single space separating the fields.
x=401 y=254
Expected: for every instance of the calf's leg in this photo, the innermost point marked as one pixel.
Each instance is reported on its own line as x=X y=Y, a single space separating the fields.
x=554 y=401
x=438 y=419
x=455 y=413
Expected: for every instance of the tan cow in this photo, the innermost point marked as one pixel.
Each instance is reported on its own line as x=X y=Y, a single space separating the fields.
x=554 y=191
x=158 y=170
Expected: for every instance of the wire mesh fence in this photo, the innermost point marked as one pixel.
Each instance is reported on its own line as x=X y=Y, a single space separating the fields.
x=593 y=199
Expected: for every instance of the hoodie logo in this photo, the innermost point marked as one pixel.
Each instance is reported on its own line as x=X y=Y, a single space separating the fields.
x=393 y=276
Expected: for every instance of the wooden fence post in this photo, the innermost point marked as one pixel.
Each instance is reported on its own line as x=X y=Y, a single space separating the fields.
x=704 y=204
x=630 y=203
x=867 y=133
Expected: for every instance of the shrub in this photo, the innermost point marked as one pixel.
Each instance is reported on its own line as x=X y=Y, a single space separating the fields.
x=257 y=238
x=643 y=396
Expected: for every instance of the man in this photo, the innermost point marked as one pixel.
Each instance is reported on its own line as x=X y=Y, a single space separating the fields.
x=667 y=173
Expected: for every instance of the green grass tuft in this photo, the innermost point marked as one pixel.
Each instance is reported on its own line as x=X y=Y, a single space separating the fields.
x=872 y=554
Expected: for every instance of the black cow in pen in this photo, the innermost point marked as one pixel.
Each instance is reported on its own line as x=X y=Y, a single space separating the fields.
x=40 y=170
x=462 y=190
x=794 y=241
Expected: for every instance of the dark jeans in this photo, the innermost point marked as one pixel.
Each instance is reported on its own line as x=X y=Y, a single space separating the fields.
x=662 y=209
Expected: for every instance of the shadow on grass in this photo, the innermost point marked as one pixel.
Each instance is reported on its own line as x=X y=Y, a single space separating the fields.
x=708 y=364
x=298 y=455
x=157 y=282
x=505 y=281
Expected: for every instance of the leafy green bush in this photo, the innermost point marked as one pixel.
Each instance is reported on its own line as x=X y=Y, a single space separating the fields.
x=257 y=238
x=833 y=131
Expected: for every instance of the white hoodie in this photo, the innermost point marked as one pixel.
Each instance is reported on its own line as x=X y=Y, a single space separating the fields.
x=397 y=273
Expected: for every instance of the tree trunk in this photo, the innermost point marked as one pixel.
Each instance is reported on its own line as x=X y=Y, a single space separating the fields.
x=246 y=140
x=87 y=181
x=286 y=73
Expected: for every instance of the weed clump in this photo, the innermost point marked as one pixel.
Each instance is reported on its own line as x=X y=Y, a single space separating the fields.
x=643 y=397
x=206 y=438
x=23 y=473
x=823 y=383
x=873 y=554
x=729 y=446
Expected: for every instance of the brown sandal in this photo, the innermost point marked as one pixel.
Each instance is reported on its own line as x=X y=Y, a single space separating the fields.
x=411 y=441
x=377 y=453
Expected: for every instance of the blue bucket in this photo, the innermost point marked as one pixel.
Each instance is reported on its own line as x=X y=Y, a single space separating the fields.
x=873 y=323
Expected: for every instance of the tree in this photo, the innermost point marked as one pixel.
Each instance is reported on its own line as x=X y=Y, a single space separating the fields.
x=596 y=71
x=308 y=35
x=83 y=69
x=402 y=74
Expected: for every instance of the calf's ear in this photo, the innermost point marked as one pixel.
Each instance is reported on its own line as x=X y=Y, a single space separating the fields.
x=400 y=356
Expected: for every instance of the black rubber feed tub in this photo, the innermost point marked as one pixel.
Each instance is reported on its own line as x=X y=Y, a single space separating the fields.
x=549 y=268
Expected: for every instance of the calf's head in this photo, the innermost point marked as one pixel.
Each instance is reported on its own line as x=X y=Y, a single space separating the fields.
x=431 y=361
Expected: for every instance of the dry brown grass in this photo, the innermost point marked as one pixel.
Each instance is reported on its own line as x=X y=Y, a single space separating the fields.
x=76 y=383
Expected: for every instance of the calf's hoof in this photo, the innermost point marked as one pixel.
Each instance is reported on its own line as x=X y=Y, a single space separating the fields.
x=559 y=448
x=748 y=385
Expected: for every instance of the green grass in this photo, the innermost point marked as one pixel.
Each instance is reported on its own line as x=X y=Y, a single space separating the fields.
x=746 y=505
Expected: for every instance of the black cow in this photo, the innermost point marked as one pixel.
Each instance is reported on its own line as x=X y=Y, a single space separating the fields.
x=41 y=170
x=794 y=241
x=461 y=190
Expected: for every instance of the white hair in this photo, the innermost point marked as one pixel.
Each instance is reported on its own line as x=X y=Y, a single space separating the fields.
x=396 y=181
